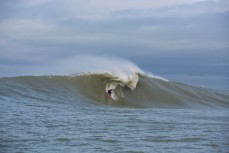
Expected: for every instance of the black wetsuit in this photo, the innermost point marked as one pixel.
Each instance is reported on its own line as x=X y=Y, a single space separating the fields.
x=109 y=92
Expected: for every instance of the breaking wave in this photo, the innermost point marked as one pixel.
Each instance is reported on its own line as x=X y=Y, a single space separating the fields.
x=130 y=89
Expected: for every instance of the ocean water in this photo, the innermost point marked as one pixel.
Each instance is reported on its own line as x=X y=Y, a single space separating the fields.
x=147 y=114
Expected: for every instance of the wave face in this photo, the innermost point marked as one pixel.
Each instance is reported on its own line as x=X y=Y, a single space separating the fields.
x=129 y=90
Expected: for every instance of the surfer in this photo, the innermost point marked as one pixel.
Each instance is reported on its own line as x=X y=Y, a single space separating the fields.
x=109 y=92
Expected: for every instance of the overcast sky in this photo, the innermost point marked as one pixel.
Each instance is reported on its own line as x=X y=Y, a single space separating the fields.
x=182 y=40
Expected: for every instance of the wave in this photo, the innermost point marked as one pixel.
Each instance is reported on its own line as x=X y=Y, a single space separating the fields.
x=130 y=89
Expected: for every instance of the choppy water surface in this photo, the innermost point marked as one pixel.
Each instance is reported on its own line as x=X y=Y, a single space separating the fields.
x=34 y=126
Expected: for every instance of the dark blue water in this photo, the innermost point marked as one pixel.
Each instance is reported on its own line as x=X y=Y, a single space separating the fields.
x=34 y=125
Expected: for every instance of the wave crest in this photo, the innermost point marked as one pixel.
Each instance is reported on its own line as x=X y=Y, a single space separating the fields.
x=141 y=90
x=130 y=89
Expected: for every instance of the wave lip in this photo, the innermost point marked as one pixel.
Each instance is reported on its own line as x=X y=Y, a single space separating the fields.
x=130 y=89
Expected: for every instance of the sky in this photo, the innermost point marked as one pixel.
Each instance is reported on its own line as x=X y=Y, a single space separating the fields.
x=181 y=40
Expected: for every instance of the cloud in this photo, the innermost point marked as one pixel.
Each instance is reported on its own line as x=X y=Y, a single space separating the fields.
x=17 y=36
x=24 y=26
x=33 y=2
x=148 y=29
x=193 y=8
x=101 y=9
